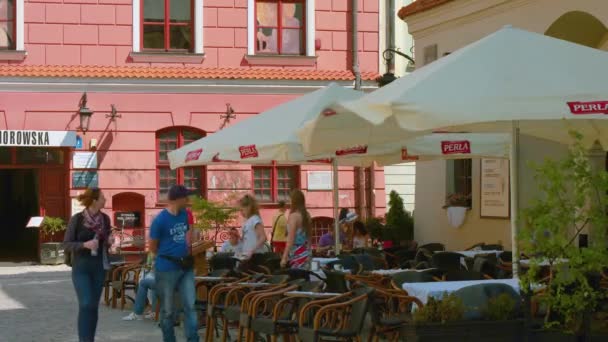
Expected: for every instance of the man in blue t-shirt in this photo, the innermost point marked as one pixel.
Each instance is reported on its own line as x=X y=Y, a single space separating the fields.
x=170 y=241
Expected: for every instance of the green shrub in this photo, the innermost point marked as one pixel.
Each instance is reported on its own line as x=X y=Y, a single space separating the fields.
x=52 y=225
x=448 y=309
x=501 y=308
x=399 y=223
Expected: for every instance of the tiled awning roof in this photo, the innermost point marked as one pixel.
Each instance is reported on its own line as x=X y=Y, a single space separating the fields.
x=184 y=73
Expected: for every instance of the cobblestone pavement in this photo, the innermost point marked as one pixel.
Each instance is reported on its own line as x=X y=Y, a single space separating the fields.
x=38 y=303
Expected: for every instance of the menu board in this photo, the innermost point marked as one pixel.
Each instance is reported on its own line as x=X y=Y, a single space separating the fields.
x=495 y=188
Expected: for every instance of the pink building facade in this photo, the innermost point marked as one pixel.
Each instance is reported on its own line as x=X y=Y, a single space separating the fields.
x=171 y=69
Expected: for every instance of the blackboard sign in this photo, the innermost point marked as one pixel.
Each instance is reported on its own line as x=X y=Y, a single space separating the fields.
x=85 y=179
x=130 y=219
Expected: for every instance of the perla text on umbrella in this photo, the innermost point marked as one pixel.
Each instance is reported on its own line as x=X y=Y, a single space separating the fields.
x=456 y=147
x=595 y=107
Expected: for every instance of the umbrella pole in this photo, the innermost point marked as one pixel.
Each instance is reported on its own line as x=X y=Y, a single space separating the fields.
x=513 y=171
x=336 y=199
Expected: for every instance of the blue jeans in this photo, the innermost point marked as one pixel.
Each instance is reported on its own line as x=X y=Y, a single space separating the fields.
x=88 y=276
x=182 y=282
x=147 y=283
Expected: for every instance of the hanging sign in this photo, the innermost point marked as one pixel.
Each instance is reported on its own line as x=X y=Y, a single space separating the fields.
x=37 y=138
x=495 y=188
x=128 y=219
x=84 y=160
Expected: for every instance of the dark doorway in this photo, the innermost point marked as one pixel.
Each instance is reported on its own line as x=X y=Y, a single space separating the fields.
x=18 y=202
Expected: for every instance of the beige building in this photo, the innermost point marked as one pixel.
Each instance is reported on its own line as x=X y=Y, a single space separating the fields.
x=440 y=27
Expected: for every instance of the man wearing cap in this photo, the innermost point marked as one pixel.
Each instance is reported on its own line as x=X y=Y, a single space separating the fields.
x=170 y=241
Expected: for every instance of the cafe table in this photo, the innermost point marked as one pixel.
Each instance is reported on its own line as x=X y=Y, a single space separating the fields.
x=438 y=289
x=324 y=261
x=474 y=253
x=399 y=270
x=542 y=263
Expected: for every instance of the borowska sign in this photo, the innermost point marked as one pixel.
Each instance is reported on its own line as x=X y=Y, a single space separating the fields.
x=37 y=138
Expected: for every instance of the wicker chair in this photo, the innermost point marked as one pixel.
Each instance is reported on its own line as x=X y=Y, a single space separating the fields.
x=123 y=279
x=339 y=321
x=447 y=261
x=390 y=311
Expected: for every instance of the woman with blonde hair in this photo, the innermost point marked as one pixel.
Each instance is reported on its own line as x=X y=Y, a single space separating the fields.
x=253 y=235
x=299 y=231
x=88 y=240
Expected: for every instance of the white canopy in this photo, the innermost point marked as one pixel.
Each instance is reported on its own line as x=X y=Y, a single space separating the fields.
x=510 y=75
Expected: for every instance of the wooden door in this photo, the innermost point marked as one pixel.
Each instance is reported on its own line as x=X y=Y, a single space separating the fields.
x=53 y=196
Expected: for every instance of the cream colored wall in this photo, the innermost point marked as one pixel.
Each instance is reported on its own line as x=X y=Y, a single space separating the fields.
x=453 y=26
x=401 y=177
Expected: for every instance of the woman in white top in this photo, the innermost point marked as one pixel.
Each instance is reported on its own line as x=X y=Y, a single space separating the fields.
x=253 y=235
x=360 y=237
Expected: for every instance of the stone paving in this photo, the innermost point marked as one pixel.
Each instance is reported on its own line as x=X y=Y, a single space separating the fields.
x=38 y=303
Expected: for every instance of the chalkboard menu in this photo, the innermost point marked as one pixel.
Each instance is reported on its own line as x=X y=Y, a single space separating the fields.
x=130 y=219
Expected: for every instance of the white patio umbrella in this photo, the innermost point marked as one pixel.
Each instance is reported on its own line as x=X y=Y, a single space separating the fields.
x=511 y=80
x=258 y=141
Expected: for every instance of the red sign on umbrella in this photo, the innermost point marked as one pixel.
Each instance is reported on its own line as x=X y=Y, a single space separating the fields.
x=456 y=147
x=194 y=155
x=595 y=107
x=249 y=151
x=352 y=150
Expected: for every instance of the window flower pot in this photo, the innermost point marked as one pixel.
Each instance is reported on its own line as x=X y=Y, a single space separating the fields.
x=457 y=215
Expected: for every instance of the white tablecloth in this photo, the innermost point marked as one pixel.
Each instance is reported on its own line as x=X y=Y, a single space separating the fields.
x=472 y=254
x=391 y=272
x=437 y=289
x=324 y=261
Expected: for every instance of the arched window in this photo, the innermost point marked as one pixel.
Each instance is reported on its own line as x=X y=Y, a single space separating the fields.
x=194 y=178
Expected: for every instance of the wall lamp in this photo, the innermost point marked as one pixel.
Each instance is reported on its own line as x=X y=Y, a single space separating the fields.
x=84 y=113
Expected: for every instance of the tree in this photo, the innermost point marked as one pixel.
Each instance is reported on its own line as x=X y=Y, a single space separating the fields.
x=399 y=223
x=213 y=217
x=572 y=198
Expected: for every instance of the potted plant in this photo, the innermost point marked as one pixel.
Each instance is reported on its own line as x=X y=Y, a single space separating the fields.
x=572 y=200
x=51 y=253
x=446 y=320
x=399 y=226
x=212 y=217
x=457 y=206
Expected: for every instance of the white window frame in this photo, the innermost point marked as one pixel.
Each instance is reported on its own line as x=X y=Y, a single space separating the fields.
x=310 y=28
x=198 y=26
x=19 y=25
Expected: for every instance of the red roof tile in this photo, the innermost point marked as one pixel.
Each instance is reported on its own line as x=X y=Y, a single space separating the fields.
x=186 y=73
x=419 y=6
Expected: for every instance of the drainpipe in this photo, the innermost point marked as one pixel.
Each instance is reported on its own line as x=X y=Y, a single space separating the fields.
x=390 y=37
x=359 y=171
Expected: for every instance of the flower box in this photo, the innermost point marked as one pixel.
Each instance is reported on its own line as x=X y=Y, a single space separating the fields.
x=487 y=331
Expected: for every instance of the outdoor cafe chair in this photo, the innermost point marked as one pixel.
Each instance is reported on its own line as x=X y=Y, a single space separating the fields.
x=239 y=297
x=492 y=247
x=390 y=310
x=433 y=247
x=398 y=279
x=335 y=281
x=275 y=314
x=339 y=321
x=123 y=279
x=447 y=261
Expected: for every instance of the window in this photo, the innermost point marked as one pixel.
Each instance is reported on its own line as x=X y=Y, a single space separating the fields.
x=192 y=178
x=272 y=184
x=320 y=226
x=459 y=177
x=167 y=25
x=7 y=24
x=281 y=27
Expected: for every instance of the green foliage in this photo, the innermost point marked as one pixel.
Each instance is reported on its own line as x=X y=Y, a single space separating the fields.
x=573 y=198
x=375 y=228
x=52 y=225
x=500 y=308
x=399 y=223
x=448 y=309
x=213 y=217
